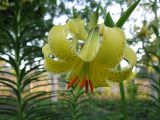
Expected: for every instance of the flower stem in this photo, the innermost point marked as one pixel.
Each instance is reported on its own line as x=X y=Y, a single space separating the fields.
x=123 y=100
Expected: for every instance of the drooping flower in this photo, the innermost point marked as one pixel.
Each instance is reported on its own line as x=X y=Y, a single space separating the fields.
x=90 y=57
x=144 y=30
x=4 y=4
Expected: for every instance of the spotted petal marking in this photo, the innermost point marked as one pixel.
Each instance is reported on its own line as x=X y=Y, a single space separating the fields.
x=112 y=48
x=96 y=75
x=90 y=47
x=59 y=44
x=52 y=65
x=118 y=75
x=77 y=27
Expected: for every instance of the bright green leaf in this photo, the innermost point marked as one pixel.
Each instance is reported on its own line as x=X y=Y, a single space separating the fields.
x=126 y=14
x=109 y=21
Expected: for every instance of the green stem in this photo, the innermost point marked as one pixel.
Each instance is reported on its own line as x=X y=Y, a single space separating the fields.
x=20 y=114
x=158 y=44
x=76 y=96
x=155 y=12
x=123 y=100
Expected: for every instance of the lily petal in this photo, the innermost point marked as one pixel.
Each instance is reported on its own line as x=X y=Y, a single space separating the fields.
x=124 y=73
x=112 y=48
x=59 y=44
x=77 y=27
x=97 y=75
x=52 y=65
x=90 y=47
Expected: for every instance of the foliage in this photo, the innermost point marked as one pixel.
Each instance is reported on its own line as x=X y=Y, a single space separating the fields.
x=150 y=63
x=22 y=34
x=132 y=90
x=102 y=109
x=22 y=31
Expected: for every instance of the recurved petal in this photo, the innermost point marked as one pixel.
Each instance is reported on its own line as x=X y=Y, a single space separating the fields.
x=124 y=73
x=52 y=65
x=97 y=75
x=60 y=46
x=91 y=47
x=112 y=48
x=77 y=27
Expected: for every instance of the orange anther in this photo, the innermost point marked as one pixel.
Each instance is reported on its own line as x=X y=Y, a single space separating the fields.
x=82 y=83
x=91 y=85
x=73 y=80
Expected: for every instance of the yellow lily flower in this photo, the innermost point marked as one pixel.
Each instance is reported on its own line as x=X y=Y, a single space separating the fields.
x=144 y=30
x=91 y=57
x=4 y=4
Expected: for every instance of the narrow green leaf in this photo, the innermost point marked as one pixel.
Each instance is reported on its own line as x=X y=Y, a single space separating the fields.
x=31 y=38
x=156 y=68
x=28 y=81
x=8 y=99
x=126 y=14
x=32 y=69
x=9 y=35
x=22 y=74
x=9 y=86
x=153 y=97
x=8 y=80
x=155 y=87
x=27 y=29
x=13 y=63
x=4 y=59
x=7 y=112
x=155 y=29
x=31 y=75
x=8 y=73
x=158 y=47
x=109 y=21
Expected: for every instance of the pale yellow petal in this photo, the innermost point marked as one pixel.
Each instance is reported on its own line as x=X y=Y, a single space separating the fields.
x=112 y=48
x=91 y=47
x=96 y=74
x=77 y=27
x=52 y=65
x=46 y=50
x=60 y=46
x=56 y=66
x=101 y=29
x=118 y=75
